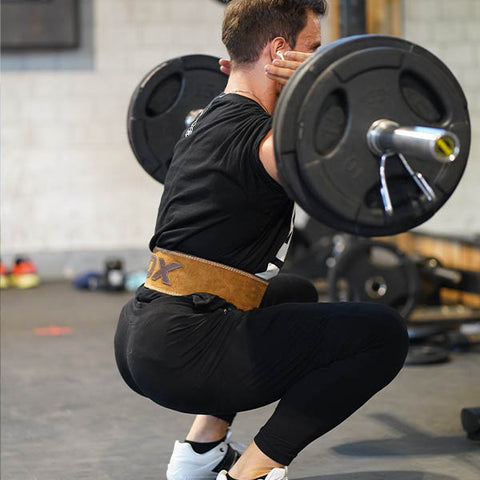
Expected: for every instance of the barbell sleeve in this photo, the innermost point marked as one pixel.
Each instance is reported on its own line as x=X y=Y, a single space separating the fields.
x=386 y=136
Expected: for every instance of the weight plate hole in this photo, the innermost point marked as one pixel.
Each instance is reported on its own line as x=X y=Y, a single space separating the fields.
x=331 y=122
x=381 y=257
x=421 y=98
x=164 y=96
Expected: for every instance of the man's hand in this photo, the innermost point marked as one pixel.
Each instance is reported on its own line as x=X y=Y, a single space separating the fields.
x=278 y=70
x=282 y=70
x=225 y=66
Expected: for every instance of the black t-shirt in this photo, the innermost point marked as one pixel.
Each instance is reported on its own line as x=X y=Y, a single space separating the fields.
x=219 y=202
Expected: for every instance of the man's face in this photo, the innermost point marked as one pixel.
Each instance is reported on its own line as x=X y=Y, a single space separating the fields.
x=309 y=39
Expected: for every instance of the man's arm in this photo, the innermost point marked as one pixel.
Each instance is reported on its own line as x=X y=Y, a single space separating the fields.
x=280 y=71
x=267 y=156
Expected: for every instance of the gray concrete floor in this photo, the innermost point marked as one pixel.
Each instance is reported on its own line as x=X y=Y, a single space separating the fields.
x=66 y=413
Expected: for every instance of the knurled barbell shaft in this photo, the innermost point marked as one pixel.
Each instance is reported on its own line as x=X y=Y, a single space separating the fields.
x=386 y=136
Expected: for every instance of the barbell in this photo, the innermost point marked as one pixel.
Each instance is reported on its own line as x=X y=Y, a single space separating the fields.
x=371 y=133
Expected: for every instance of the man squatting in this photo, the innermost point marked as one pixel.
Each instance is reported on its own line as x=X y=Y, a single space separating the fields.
x=247 y=336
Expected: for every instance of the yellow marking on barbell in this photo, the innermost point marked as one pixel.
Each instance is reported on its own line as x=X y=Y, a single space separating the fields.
x=445 y=146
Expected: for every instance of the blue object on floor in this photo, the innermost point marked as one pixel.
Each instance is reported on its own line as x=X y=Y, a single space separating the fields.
x=89 y=281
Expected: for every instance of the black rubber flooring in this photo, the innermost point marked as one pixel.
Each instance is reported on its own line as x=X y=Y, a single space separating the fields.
x=66 y=413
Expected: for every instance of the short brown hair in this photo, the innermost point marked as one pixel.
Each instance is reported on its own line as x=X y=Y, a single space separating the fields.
x=249 y=25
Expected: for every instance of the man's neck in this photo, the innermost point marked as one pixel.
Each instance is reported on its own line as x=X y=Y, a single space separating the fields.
x=252 y=82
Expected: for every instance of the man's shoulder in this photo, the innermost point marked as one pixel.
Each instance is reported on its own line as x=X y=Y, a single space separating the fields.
x=233 y=101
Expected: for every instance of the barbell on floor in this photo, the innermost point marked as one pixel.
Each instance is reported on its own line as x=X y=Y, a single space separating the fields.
x=372 y=132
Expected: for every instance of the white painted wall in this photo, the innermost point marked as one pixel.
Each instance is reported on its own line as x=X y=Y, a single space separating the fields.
x=69 y=180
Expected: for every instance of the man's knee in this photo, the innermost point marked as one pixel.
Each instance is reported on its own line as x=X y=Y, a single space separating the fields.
x=289 y=288
x=391 y=329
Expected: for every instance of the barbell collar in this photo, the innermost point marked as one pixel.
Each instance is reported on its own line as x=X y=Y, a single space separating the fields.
x=386 y=136
x=417 y=177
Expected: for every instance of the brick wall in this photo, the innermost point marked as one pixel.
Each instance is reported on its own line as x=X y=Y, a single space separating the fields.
x=451 y=30
x=69 y=180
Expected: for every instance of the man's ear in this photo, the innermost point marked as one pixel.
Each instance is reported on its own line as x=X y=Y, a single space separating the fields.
x=278 y=44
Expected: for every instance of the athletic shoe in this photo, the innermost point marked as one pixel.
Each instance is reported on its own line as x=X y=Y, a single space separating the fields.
x=24 y=274
x=275 y=474
x=186 y=464
x=4 y=282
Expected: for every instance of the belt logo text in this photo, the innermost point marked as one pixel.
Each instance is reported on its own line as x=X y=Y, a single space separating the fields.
x=158 y=268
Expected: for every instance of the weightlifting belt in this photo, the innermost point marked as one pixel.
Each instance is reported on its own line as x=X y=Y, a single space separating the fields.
x=176 y=273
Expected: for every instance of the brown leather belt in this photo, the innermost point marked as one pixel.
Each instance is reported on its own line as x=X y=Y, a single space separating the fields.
x=176 y=273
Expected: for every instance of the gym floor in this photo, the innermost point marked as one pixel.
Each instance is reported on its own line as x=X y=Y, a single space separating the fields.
x=66 y=413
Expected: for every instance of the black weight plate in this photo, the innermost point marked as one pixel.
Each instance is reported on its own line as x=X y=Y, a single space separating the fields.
x=373 y=271
x=420 y=333
x=161 y=103
x=286 y=129
x=322 y=119
x=426 y=355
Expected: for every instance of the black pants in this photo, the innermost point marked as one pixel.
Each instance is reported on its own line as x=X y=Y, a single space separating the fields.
x=199 y=354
